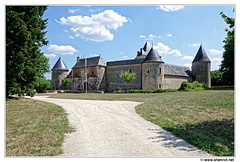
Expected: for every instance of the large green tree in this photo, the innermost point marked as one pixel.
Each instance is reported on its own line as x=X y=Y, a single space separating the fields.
x=25 y=34
x=227 y=65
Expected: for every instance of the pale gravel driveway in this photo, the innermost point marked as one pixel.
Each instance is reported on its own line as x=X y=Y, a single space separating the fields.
x=114 y=129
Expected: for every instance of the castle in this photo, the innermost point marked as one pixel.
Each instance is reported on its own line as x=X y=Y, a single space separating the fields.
x=152 y=73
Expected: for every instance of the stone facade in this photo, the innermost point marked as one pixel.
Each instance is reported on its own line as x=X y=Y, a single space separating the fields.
x=152 y=73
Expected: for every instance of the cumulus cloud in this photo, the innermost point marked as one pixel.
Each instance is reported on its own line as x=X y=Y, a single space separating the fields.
x=52 y=55
x=215 y=51
x=215 y=63
x=164 y=49
x=95 y=27
x=63 y=50
x=149 y=37
x=72 y=11
x=188 y=65
x=187 y=58
x=170 y=8
x=169 y=35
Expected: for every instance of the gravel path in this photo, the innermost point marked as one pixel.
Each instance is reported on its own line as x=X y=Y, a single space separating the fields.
x=114 y=129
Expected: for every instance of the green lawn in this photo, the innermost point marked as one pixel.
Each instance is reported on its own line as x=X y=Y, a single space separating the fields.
x=34 y=128
x=203 y=118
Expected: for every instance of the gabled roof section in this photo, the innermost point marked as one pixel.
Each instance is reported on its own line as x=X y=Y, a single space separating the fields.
x=201 y=55
x=93 y=61
x=177 y=70
x=152 y=56
x=60 y=65
x=125 y=62
x=144 y=51
x=147 y=47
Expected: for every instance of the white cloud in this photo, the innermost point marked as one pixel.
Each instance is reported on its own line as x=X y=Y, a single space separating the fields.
x=71 y=37
x=169 y=35
x=72 y=11
x=149 y=37
x=187 y=58
x=215 y=63
x=216 y=60
x=194 y=44
x=63 y=50
x=95 y=27
x=52 y=55
x=215 y=51
x=188 y=65
x=65 y=30
x=170 y=8
x=164 y=49
x=94 y=55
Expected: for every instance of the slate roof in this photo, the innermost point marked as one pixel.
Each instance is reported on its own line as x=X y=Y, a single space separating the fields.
x=144 y=51
x=125 y=62
x=152 y=56
x=201 y=55
x=93 y=61
x=60 y=65
x=177 y=70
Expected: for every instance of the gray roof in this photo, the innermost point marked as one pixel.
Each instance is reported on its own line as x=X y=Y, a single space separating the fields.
x=201 y=55
x=152 y=56
x=125 y=62
x=60 y=65
x=177 y=70
x=93 y=61
x=144 y=51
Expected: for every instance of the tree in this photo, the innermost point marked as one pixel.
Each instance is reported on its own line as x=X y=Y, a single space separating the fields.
x=216 y=78
x=25 y=34
x=227 y=64
x=127 y=77
x=66 y=82
x=43 y=85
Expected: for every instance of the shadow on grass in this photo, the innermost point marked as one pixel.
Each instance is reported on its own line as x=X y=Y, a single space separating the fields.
x=215 y=137
x=222 y=88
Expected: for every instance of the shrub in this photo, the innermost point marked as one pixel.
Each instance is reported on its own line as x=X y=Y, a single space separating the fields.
x=185 y=86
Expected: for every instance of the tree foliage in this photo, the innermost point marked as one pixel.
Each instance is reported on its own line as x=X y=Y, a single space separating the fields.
x=127 y=77
x=25 y=34
x=227 y=65
x=66 y=82
x=43 y=85
x=216 y=78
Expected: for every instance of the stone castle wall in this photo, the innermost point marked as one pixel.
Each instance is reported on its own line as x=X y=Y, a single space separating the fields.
x=201 y=72
x=174 y=82
x=115 y=83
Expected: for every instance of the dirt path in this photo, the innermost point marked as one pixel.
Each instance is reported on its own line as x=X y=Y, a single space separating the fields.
x=114 y=129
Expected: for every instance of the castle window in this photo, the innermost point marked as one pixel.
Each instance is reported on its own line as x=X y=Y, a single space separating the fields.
x=130 y=70
x=160 y=70
x=92 y=72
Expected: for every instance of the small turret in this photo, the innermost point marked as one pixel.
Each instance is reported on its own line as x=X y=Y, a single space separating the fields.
x=201 y=67
x=59 y=72
x=152 y=71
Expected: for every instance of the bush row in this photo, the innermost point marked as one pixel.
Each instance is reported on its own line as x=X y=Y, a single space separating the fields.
x=185 y=86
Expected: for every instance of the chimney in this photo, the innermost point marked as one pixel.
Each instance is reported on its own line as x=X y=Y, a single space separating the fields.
x=78 y=59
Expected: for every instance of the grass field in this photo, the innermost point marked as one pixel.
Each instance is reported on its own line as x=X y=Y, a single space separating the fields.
x=34 y=128
x=203 y=118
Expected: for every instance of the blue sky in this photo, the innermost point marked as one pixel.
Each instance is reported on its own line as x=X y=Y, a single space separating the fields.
x=118 y=32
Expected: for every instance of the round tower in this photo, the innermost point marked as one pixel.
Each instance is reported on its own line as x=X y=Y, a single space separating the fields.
x=201 y=67
x=152 y=71
x=59 y=72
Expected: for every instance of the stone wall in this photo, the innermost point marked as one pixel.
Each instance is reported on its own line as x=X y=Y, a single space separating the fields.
x=201 y=71
x=115 y=83
x=57 y=77
x=174 y=82
x=152 y=76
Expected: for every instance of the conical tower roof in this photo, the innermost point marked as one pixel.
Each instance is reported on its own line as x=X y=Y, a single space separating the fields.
x=152 y=56
x=60 y=65
x=201 y=55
